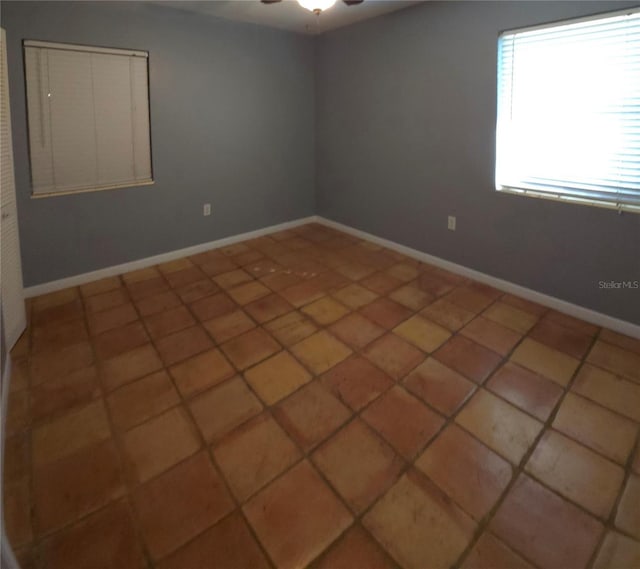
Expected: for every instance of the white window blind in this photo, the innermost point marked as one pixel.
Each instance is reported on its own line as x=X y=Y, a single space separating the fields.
x=88 y=114
x=569 y=111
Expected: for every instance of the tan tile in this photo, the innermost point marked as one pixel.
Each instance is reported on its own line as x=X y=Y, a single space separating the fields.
x=491 y=335
x=439 y=386
x=596 y=427
x=218 y=265
x=356 y=331
x=255 y=454
x=140 y=275
x=18 y=416
x=57 y=298
x=355 y=271
x=574 y=471
x=229 y=326
x=106 y=320
x=403 y=271
x=58 y=335
x=103 y=285
x=418 y=525
x=381 y=283
x=572 y=323
x=164 y=323
x=58 y=314
x=180 y=504
x=386 y=313
x=469 y=299
x=129 y=366
x=499 y=425
x=546 y=361
x=291 y=328
x=69 y=433
x=157 y=302
x=490 y=552
x=617 y=360
x=175 y=265
x=277 y=377
x=560 y=338
x=142 y=399
x=223 y=408
x=16 y=513
x=248 y=292
x=355 y=296
x=294 y=536
x=532 y=515
x=358 y=464
x=325 y=310
x=250 y=348
x=184 y=277
x=403 y=421
x=146 y=289
x=393 y=355
x=105 y=539
x=229 y=542
x=530 y=392
x=412 y=297
x=511 y=317
x=75 y=485
x=355 y=549
x=182 y=345
x=618 y=551
x=628 y=515
x=212 y=306
x=63 y=393
x=613 y=392
x=119 y=340
x=467 y=471
x=524 y=304
x=201 y=372
x=468 y=358
x=106 y=300
x=422 y=333
x=195 y=291
x=620 y=340
x=437 y=284
x=267 y=308
x=51 y=364
x=281 y=279
x=320 y=352
x=302 y=293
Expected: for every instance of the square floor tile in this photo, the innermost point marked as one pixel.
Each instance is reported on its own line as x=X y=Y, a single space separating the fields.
x=196 y=290
x=75 y=485
x=277 y=377
x=422 y=333
x=356 y=548
x=618 y=551
x=122 y=315
x=201 y=372
x=229 y=543
x=530 y=392
x=469 y=299
x=250 y=348
x=106 y=300
x=596 y=427
x=248 y=292
x=325 y=310
x=294 y=536
x=439 y=386
x=156 y=303
x=311 y=415
x=489 y=551
x=69 y=433
x=142 y=399
x=212 y=306
x=267 y=308
x=468 y=358
x=386 y=313
x=572 y=323
x=511 y=317
x=403 y=271
x=129 y=366
x=491 y=335
x=320 y=352
x=467 y=471
x=532 y=515
x=620 y=340
x=182 y=345
x=158 y=444
x=105 y=539
x=223 y=408
x=54 y=363
x=301 y=293
x=255 y=454
x=560 y=338
x=617 y=360
x=57 y=335
x=355 y=296
x=418 y=525
x=168 y=321
x=545 y=361
x=218 y=265
x=574 y=471
x=359 y=464
x=120 y=340
x=403 y=421
x=356 y=331
x=102 y=285
x=180 y=504
x=184 y=277
x=229 y=326
x=356 y=381
x=502 y=427
x=412 y=297
x=394 y=355
x=381 y=283
x=612 y=392
x=628 y=515
x=290 y=328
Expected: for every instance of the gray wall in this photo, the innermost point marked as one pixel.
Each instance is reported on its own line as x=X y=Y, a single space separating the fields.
x=232 y=120
x=406 y=111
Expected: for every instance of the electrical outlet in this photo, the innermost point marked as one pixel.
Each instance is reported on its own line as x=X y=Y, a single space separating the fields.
x=451 y=223
x=206 y=210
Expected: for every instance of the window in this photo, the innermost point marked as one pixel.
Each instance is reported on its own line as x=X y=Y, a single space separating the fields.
x=569 y=111
x=88 y=114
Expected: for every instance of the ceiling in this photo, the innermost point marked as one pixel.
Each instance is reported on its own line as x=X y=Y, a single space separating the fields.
x=288 y=14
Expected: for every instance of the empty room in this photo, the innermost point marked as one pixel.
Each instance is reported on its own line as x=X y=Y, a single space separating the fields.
x=326 y=284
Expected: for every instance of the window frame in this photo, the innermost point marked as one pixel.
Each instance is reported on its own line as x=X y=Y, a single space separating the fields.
x=550 y=195
x=85 y=48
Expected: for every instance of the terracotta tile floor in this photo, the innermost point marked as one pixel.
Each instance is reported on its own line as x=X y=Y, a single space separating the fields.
x=309 y=399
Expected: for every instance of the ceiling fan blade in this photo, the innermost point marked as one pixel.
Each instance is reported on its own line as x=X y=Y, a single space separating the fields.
x=352 y=2
x=270 y=1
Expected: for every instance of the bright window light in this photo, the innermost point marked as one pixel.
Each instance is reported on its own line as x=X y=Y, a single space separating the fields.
x=569 y=111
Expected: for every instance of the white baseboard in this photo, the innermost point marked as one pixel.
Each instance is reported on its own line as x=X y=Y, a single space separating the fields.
x=597 y=318
x=114 y=270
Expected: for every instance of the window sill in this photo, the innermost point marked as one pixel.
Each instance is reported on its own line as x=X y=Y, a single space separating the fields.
x=91 y=190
